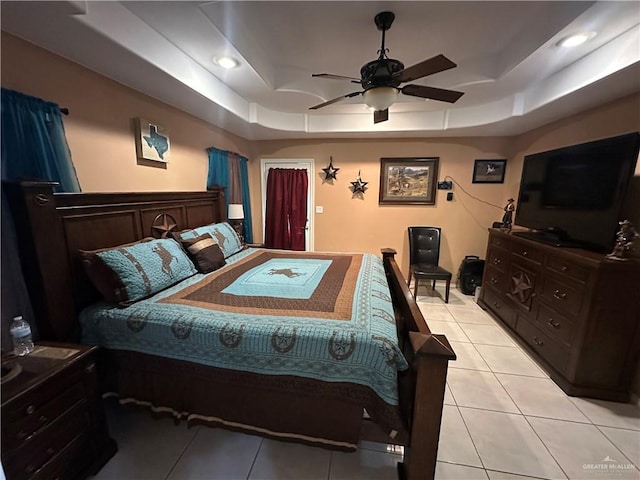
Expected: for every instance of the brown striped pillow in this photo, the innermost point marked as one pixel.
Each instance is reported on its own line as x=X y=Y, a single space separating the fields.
x=204 y=252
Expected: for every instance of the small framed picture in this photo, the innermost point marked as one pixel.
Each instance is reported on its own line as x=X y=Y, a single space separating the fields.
x=489 y=171
x=152 y=141
x=408 y=181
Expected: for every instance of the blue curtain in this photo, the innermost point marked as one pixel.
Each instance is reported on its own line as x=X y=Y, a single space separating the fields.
x=219 y=174
x=246 y=200
x=34 y=145
x=218 y=169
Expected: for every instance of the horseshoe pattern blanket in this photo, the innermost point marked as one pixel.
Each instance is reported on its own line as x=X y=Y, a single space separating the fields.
x=322 y=316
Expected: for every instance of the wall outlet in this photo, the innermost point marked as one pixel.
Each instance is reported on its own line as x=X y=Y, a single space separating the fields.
x=319 y=209
x=445 y=185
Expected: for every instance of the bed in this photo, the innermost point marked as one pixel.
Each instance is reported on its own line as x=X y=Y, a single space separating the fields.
x=393 y=369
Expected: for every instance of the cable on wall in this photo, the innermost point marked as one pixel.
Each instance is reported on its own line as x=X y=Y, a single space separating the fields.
x=468 y=194
x=473 y=197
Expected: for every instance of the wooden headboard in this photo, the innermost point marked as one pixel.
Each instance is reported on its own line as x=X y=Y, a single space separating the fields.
x=52 y=227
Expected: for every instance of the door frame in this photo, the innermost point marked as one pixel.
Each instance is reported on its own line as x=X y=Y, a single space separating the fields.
x=307 y=164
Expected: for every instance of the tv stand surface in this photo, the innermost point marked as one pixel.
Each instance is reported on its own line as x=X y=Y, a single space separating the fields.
x=549 y=238
x=575 y=309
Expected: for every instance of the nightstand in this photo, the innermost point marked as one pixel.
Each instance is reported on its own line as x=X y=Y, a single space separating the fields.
x=53 y=423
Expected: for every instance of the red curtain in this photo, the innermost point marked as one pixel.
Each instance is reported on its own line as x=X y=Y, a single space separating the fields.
x=286 y=209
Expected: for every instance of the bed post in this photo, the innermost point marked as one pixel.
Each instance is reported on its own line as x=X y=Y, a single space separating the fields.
x=429 y=355
x=432 y=355
x=44 y=258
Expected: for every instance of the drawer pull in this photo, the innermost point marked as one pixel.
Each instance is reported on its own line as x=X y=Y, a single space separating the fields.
x=50 y=451
x=30 y=469
x=493 y=281
x=557 y=294
x=90 y=368
x=538 y=342
x=497 y=261
x=496 y=304
x=524 y=253
x=30 y=409
x=564 y=268
x=553 y=323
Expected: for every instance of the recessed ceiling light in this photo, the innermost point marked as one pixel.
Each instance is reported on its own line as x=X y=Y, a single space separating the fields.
x=226 y=62
x=575 y=39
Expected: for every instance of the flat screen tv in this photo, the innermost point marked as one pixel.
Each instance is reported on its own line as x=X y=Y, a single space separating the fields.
x=573 y=196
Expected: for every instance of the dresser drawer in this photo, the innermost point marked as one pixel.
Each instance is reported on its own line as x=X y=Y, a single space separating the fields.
x=566 y=267
x=500 y=307
x=497 y=258
x=65 y=464
x=528 y=252
x=561 y=296
x=555 y=325
x=35 y=416
x=495 y=279
x=543 y=344
x=28 y=460
x=499 y=241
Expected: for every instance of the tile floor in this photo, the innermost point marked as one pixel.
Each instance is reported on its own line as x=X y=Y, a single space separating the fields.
x=503 y=419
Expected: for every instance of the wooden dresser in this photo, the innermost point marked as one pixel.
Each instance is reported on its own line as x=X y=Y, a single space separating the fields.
x=576 y=310
x=53 y=424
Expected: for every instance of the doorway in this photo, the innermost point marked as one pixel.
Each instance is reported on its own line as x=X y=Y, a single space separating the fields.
x=299 y=164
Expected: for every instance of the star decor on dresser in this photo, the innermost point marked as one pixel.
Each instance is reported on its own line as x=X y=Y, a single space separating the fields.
x=359 y=186
x=330 y=171
x=521 y=286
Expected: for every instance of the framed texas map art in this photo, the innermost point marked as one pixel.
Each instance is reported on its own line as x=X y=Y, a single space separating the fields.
x=408 y=181
x=152 y=141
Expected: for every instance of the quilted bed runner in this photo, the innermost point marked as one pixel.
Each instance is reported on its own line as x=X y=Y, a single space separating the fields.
x=324 y=316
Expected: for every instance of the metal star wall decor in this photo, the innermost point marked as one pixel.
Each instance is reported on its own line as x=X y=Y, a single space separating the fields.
x=359 y=186
x=330 y=171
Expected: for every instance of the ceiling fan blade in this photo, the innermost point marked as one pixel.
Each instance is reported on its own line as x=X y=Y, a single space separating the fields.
x=336 y=77
x=435 y=64
x=433 y=93
x=334 y=100
x=381 y=115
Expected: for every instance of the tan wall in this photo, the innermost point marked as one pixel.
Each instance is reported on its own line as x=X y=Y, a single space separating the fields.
x=100 y=128
x=101 y=137
x=361 y=224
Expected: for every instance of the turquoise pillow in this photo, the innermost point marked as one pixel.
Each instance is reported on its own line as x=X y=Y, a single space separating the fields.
x=223 y=234
x=128 y=273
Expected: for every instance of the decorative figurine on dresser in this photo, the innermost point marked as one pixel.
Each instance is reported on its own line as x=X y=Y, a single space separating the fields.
x=53 y=423
x=507 y=218
x=625 y=239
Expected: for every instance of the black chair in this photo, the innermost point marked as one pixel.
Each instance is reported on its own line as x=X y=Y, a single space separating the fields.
x=424 y=256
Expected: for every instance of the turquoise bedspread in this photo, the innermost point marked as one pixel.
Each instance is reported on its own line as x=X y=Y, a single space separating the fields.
x=322 y=316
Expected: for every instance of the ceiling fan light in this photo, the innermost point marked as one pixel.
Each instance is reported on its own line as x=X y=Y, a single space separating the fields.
x=380 y=98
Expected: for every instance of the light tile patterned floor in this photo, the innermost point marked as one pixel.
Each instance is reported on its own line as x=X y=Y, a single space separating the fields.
x=503 y=419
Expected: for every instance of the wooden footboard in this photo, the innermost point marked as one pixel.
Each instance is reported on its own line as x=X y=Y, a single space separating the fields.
x=423 y=387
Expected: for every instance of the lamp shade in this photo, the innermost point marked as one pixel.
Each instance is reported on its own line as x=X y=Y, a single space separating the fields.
x=380 y=98
x=236 y=211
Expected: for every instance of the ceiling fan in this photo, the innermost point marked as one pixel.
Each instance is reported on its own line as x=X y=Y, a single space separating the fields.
x=381 y=78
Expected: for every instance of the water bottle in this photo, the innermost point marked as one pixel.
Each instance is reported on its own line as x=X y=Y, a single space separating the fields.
x=21 y=336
